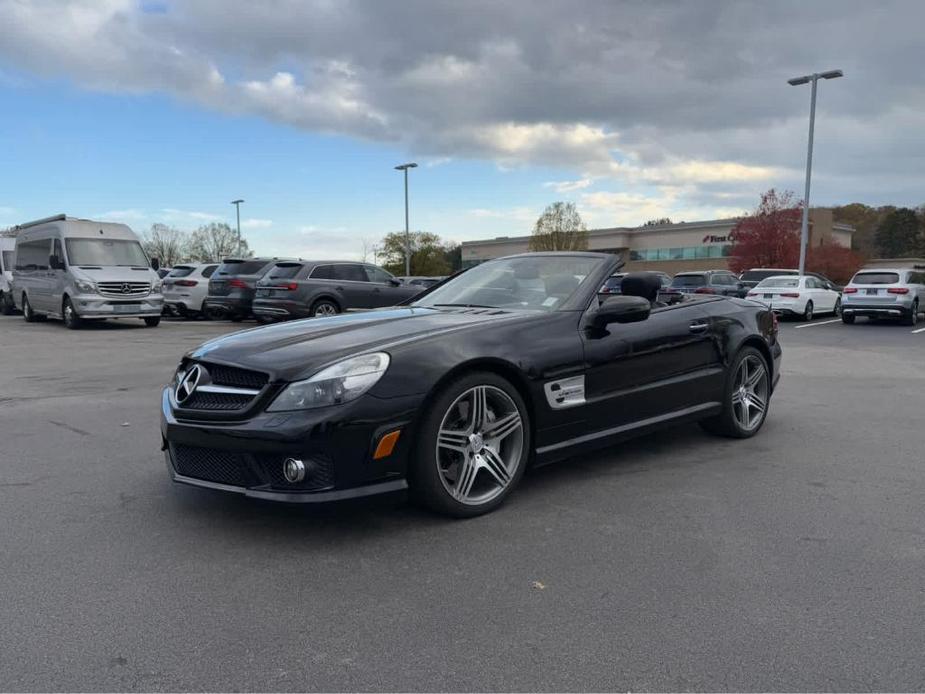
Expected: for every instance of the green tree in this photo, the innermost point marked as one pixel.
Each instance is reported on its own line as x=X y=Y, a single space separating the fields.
x=214 y=242
x=453 y=254
x=661 y=221
x=428 y=254
x=865 y=220
x=559 y=228
x=899 y=234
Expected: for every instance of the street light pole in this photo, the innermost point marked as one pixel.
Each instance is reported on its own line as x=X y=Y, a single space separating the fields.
x=405 y=167
x=237 y=209
x=814 y=78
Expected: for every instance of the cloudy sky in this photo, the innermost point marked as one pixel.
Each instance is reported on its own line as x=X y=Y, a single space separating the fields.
x=165 y=110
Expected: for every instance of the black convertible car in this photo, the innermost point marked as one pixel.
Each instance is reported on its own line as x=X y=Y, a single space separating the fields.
x=517 y=361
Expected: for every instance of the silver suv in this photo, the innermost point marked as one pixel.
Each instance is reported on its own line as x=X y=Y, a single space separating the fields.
x=885 y=293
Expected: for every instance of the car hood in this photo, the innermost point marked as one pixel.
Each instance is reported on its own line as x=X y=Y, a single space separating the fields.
x=297 y=349
x=96 y=273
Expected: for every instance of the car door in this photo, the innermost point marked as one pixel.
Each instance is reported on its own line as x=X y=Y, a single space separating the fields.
x=668 y=363
x=32 y=257
x=57 y=277
x=387 y=291
x=353 y=287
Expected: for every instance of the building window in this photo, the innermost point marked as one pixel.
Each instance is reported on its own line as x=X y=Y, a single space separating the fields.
x=681 y=253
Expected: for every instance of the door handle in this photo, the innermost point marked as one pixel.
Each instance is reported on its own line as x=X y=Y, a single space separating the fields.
x=698 y=327
x=340 y=289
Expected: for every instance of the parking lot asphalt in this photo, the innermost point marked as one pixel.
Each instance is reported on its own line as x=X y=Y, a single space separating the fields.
x=790 y=561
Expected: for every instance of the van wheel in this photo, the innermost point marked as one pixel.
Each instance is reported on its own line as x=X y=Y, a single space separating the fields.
x=152 y=321
x=6 y=304
x=27 y=312
x=69 y=313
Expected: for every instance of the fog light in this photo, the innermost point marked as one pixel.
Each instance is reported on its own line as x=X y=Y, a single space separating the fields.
x=294 y=470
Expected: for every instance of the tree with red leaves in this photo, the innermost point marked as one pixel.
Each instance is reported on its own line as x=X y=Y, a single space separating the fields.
x=770 y=237
x=837 y=262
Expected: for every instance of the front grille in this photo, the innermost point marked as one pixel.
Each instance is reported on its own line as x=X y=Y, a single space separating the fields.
x=217 y=401
x=223 y=467
x=320 y=472
x=124 y=289
x=235 y=377
x=245 y=470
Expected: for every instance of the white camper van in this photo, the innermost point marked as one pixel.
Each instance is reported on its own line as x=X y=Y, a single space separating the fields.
x=7 y=251
x=78 y=269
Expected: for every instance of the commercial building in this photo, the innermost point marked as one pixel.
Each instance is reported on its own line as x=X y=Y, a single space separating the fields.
x=670 y=248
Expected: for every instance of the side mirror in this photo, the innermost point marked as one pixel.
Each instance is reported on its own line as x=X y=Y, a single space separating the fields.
x=621 y=309
x=394 y=282
x=155 y=264
x=55 y=263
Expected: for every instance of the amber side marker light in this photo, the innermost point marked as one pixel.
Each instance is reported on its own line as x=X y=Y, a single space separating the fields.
x=386 y=445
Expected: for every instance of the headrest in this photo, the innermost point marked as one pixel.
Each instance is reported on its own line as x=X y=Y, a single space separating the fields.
x=642 y=284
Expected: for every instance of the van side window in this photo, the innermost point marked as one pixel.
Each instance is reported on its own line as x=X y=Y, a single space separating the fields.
x=32 y=255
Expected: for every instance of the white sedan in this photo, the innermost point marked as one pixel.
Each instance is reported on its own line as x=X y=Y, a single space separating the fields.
x=796 y=296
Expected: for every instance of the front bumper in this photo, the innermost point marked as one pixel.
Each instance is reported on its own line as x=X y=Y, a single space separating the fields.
x=96 y=306
x=336 y=444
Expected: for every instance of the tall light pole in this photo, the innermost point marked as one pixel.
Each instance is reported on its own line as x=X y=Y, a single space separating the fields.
x=405 y=167
x=237 y=209
x=804 y=231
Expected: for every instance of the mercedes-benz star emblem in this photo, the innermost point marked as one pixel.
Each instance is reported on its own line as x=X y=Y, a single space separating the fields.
x=126 y=288
x=187 y=385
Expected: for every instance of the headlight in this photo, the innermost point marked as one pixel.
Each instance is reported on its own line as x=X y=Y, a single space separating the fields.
x=345 y=381
x=85 y=286
x=156 y=287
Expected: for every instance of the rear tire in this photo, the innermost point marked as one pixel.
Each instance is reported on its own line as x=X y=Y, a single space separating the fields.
x=746 y=397
x=482 y=426
x=808 y=311
x=152 y=321
x=236 y=318
x=913 y=317
x=69 y=314
x=837 y=310
x=846 y=319
x=324 y=307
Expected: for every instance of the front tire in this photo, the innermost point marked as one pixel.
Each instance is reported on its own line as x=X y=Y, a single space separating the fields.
x=72 y=320
x=837 y=310
x=27 y=313
x=152 y=321
x=472 y=446
x=746 y=397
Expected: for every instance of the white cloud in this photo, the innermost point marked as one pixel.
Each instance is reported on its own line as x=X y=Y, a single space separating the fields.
x=252 y=223
x=174 y=215
x=130 y=215
x=517 y=214
x=568 y=186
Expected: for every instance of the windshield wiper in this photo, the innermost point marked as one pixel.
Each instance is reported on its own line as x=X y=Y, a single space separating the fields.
x=467 y=305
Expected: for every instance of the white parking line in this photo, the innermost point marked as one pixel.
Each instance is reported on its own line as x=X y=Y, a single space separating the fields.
x=920 y=330
x=824 y=322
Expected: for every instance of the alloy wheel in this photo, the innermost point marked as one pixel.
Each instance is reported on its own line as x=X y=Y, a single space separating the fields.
x=479 y=444
x=325 y=309
x=750 y=393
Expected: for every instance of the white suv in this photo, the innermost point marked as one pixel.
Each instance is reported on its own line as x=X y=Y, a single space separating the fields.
x=885 y=293
x=186 y=287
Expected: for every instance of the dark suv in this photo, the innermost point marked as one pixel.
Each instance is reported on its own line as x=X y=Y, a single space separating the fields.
x=232 y=286
x=720 y=282
x=306 y=288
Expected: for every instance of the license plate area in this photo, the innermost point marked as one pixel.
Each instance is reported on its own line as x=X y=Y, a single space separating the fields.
x=127 y=308
x=768 y=296
x=872 y=292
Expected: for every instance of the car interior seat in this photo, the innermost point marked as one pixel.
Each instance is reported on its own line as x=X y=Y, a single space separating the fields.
x=645 y=285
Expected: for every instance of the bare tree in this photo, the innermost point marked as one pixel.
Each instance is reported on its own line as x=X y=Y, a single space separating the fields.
x=214 y=242
x=167 y=244
x=559 y=228
x=369 y=248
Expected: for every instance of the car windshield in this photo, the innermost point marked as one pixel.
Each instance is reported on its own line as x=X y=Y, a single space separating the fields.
x=241 y=267
x=539 y=283
x=105 y=252
x=780 y=282
x=181 y=271
x=688 y=281
x=875 y=278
